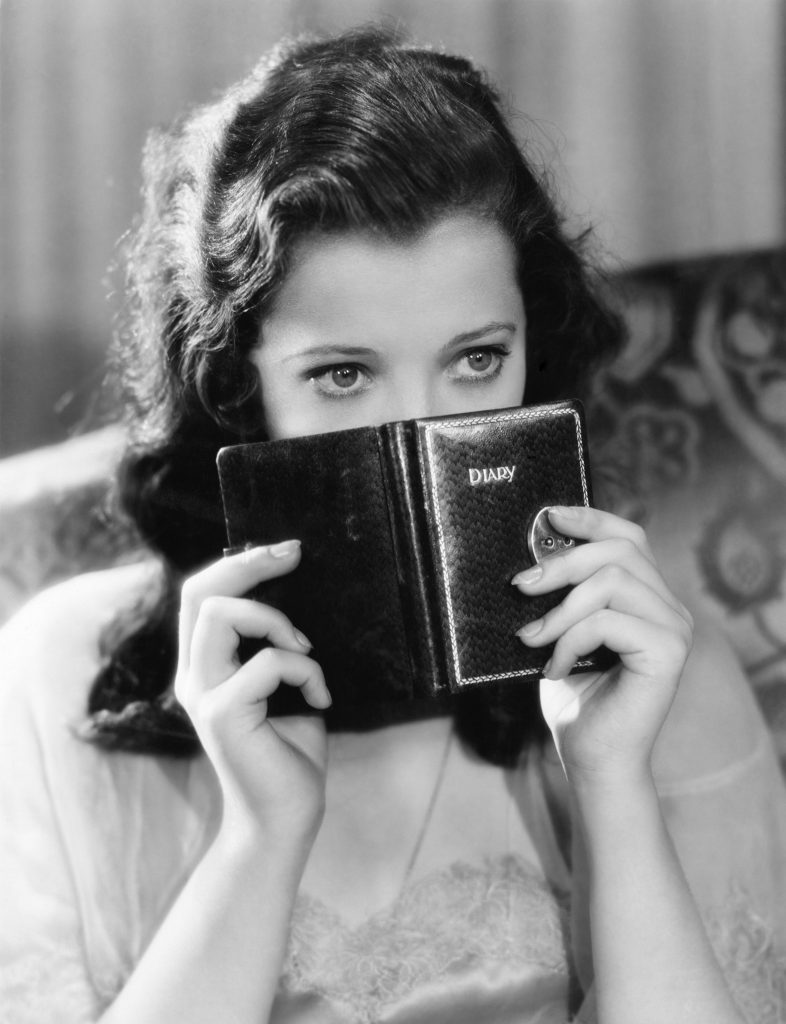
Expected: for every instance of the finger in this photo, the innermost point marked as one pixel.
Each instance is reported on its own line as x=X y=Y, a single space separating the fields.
x=232 y=576
x=593 y=524
x=645 y=648
x=570 y=568
x=611 y=587
x=248 y=690
x=220 y=624
x=255 y=677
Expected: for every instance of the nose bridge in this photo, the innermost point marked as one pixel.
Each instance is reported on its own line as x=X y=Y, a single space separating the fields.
x=413 y=397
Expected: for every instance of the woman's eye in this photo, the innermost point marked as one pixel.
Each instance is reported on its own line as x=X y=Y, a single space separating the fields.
x=479 y=361
x=480 y=364
x=339 y=381
x=344 y=376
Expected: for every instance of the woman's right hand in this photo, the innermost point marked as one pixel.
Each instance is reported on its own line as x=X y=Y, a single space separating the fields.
x=271 y=773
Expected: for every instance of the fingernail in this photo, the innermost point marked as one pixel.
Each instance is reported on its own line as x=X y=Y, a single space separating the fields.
x=531 y=629
x=284 y=549
x=302 y=639
x=546 y=669
x=561 y=510
x=528 y=575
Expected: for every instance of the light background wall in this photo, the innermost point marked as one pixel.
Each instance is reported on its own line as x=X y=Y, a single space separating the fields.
x=663 y=122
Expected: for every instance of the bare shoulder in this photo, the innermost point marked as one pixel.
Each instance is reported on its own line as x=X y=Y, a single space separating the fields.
x=52 y=642
x=715 y=721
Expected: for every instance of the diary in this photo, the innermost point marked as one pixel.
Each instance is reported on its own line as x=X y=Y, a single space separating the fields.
x=411 y=533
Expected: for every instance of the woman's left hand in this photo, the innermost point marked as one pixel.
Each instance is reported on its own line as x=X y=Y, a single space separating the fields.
x=605 y=723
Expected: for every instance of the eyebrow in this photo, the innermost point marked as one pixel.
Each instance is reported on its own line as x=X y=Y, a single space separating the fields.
x=325 y=351
x=330 y=351
x=494 y=327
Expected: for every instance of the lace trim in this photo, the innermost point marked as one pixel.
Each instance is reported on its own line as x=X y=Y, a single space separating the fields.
x=447 y=922
x=754 y=967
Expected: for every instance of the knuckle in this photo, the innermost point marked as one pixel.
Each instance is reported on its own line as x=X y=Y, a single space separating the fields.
x=638 y=536
x=268 y=660
x=613 y=576
x=603 y=618
x=629 y=547
x=212 y=608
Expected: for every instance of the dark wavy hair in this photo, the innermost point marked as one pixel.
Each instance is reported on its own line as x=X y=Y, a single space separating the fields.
x=358 y=131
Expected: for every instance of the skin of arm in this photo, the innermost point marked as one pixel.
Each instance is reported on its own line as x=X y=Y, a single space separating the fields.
x=218 y=954
x=651 y=959
x=714 y=722
x=220 y=949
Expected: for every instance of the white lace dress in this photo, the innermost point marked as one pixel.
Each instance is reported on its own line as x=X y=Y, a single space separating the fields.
x=94 y=848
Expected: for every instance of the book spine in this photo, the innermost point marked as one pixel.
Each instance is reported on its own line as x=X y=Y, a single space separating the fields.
x=409 y=528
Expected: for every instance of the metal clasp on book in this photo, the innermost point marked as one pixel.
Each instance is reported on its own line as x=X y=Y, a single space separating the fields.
x=543 y=540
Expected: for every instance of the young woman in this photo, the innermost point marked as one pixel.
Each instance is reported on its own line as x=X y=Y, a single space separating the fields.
x=351 y=236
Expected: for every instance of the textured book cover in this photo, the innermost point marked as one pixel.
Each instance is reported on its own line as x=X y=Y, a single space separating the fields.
x=411 y=533
x=486 y=479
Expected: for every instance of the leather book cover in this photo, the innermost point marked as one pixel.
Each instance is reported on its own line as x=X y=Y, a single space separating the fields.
x=411 y=533
x=327 y=491
x=486 y=479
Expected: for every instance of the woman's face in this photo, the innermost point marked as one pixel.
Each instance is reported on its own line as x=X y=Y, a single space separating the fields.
x=366 y=330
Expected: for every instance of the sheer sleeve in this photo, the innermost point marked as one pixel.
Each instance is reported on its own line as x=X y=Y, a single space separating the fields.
x=724 y=802
x=94 y=846
x=43 y=971
x=729 y=829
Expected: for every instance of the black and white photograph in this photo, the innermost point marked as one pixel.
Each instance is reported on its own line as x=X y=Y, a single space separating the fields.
x=392 y=512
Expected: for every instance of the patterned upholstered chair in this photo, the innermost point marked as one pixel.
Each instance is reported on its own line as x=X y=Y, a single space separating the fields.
x=695 y=411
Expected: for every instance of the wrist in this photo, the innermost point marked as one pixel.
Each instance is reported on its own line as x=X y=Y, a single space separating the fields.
x=288 y=824
x=244 y=845
x=614 y=793
x=619 y=818
x=611 y=780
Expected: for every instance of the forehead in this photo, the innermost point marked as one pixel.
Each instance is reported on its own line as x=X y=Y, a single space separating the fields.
x=359 y=286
